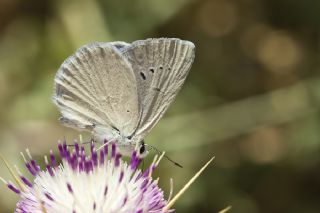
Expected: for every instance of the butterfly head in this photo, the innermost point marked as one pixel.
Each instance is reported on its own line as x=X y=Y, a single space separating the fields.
x=127 y=146
x=133 y=143
x=142 y=150
x=139 y=147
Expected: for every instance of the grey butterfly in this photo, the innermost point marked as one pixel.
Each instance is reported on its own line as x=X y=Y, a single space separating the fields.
x=119 y=91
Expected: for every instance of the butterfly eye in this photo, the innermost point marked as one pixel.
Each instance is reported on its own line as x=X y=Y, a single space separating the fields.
x=142 y=149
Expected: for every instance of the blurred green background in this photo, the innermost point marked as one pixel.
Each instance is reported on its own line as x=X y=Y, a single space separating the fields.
x=252 y=98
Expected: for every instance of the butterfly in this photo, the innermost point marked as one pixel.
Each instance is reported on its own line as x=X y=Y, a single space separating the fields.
x=119 y=91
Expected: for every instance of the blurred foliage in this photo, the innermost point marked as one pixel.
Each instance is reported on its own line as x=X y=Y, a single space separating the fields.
x=252 y=98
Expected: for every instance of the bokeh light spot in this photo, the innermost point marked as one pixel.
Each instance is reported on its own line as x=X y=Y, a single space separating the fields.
x=264 y=146
x=217 y=18
x=279 y=52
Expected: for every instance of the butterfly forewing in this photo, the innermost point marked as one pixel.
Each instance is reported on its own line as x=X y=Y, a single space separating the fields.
x=160 y=67
x=97 y=86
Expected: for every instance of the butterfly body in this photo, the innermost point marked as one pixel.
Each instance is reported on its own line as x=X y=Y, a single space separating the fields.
x=119 y=91
x=126 y=144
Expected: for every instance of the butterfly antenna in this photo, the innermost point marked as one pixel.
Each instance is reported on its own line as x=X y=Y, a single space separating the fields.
x=165 y=156
x=172 y=161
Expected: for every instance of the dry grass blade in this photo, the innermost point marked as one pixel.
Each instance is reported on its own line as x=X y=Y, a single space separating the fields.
x=225 y=209
x=178 y=195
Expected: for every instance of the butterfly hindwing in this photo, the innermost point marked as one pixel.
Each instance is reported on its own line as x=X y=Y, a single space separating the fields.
x=160 y=67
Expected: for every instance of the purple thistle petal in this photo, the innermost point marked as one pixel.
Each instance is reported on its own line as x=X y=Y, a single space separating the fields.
x=13 y=188
x=35 y=166
x=83 y=156
x=64 y=146
x=31 y=170
x=135 y=161
x=121 y=176
x=101 y=157
x=105 y=148
x=139 y=176
x=77 y=148
x=53 y=159
x=48 y=196
x=26 y=181
x=113 y=150
x=125 y=201
x=117 y=160
x=49 y=168
x=105 y=191
x=73 y=161
x=88 y=166
x=148 y=170
x=146 y=173
x=61 y=151
x=67 y=155
x=81 y=166
x=92 y=146
x=144 y=184
x=94 y=157
x=69 y=188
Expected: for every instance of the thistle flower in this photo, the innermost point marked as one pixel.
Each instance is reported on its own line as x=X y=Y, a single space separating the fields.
x=101 y=182
x=89 y=183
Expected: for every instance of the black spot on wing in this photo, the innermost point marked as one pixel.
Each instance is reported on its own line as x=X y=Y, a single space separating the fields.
x=143 y=76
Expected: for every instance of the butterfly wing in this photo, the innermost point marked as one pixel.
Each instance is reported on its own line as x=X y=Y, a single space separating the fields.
x=160 y=67
x=97 y=87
